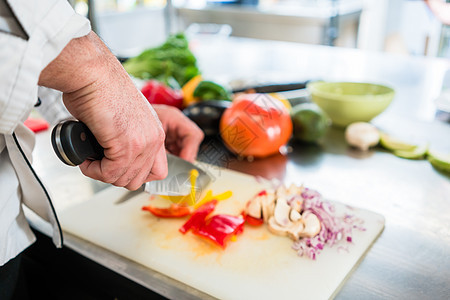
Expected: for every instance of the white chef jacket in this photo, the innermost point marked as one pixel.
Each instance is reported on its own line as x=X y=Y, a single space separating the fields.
x=32 y=34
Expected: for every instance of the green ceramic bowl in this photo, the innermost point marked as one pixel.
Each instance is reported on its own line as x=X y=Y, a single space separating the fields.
x=348 y=102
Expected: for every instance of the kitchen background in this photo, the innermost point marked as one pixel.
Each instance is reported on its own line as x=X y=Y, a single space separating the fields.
x=409 y=261
x=398 y=26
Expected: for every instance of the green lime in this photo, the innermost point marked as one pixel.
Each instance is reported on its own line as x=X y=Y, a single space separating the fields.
x=418 y=152
x=392 y=143
x=310 y=122
x=440 y=161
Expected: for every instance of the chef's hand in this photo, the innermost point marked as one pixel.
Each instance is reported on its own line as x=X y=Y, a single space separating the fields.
x=99 y=92
x=183 y=137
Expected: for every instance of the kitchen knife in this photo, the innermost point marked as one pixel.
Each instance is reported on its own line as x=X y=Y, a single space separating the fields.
x=73 y=143
x=273 y=88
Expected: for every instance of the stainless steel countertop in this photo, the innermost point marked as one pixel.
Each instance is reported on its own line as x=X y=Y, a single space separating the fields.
x=411 y=259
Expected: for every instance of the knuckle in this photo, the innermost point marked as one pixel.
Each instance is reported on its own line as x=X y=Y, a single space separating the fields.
x=118 y=184
x=138 y=145
x=129 y=178
x=110 y=175
x=161 y=173
x=121 y=182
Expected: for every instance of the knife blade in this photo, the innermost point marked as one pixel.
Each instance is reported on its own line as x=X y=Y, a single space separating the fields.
x=73 y=143
x=273 y=88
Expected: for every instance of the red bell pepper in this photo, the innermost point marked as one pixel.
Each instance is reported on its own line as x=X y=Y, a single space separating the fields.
x=157 y=92
x=252 y=220
x=173 y=211
x=198 y=217
x=220 y=228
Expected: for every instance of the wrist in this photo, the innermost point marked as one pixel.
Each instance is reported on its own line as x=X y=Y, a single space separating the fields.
x=81 y=63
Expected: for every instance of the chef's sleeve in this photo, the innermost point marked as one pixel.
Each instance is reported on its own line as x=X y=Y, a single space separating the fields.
x=32 y=34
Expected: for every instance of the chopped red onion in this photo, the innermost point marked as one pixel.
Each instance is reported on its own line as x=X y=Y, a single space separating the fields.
x=333 y=228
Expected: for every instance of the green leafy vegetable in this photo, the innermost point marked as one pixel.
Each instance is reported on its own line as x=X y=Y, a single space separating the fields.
x=171 y=59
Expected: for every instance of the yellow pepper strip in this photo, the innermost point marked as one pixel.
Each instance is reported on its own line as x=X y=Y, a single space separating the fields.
x=188 y=199
x=223 y=196
x=206 y=198
x=209 y=196
x=194 y=175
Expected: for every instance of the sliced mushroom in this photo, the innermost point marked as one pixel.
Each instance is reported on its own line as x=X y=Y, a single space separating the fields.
x=294 y=215
x=362 y=135
x=268 y=205
x=296 y=229
x=275 y=228
x=294 y=190
x=254 y=207
x=297 y=203
x=312 y=225
x=281 y=213
x=281 y=191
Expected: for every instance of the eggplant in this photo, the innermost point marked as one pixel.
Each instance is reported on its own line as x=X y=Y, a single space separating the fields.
x=207 y=114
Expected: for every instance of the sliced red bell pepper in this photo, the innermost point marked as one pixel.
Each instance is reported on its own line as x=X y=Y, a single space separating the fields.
x=173 y=211
x=220 y=228
x=253 y=221
x=198 y=217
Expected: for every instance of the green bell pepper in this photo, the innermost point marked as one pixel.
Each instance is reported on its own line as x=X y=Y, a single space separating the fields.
x=208 y=90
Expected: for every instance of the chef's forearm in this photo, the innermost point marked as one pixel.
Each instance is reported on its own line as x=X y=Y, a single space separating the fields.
x=79 y=65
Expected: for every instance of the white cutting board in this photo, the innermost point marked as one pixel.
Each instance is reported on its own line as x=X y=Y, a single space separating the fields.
x=258 y=265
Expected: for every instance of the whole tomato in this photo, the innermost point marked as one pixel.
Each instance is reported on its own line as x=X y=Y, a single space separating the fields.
x=255 y=125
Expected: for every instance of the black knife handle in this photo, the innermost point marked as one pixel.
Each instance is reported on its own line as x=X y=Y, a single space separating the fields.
x=73 y=143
